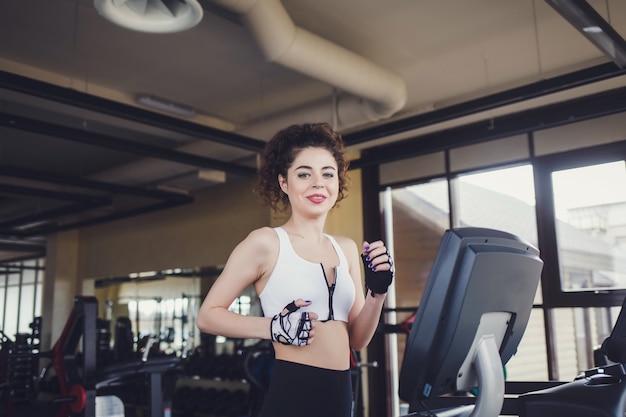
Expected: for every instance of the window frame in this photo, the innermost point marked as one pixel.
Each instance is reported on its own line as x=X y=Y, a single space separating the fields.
x=37 y=265
x=544 y=166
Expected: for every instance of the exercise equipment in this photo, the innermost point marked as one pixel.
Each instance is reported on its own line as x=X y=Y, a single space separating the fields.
x=460 y=339
x=258 y=366
x=596 y=392
x=74 y=389
x=18 y=367
x=81 y=366
x=356 y=371
x=85 y=375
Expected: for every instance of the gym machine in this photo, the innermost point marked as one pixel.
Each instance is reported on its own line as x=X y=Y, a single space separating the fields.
x=460 y=338
x=80 y=368
x=596 y=392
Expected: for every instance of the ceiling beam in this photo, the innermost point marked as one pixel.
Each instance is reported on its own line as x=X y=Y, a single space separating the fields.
x=50 y=228
x=9 y=189
x=597 y=105
x=97 y=139
x=493 y=101
x=44 y=223
x=585 y=19
x=85 y=101
x=67 y=180
x=13 y=246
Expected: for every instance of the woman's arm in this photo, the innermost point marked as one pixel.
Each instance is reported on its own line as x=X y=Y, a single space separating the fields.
x=249 y=261
x=365 y=313
x=362 y=329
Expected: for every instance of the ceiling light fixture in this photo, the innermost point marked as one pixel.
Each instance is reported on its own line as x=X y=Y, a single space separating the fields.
x=592 y=29
x=154 y=16
x=166 y=106
x=593 y=26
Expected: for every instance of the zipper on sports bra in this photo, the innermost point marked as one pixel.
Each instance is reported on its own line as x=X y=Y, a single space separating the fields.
x=331 y=293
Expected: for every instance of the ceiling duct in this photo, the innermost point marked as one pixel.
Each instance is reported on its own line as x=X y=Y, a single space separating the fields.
x=154 y=16
x=381 y=93
x=377 y=93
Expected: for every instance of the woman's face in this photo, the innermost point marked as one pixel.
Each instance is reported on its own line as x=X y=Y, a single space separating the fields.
x=312 y=182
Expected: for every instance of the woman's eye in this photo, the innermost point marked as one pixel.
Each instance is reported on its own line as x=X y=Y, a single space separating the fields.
x=329 y=175
x=303 y=174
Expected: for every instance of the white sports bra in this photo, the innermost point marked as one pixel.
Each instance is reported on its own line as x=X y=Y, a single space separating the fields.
x=294 y=277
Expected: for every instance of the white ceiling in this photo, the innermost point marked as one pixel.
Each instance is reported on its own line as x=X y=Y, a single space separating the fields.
x=446 y=51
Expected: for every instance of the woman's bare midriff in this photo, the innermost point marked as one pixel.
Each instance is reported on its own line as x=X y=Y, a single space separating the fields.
x=330 y=349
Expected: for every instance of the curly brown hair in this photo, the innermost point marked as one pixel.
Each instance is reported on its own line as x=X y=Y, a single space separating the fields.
x=281 y=151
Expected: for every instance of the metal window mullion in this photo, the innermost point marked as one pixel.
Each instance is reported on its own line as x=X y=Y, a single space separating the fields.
x=19 y=296
x=4 y=301
x=35 y=283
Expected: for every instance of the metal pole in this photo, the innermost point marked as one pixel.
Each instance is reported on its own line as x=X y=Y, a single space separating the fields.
x=392 y=338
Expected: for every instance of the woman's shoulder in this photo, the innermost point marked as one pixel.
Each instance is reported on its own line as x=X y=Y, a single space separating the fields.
x=262 y=236
x=347 y=244
x=260 y=246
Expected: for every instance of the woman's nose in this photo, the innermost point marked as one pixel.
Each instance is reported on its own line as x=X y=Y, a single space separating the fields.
x=318 y=183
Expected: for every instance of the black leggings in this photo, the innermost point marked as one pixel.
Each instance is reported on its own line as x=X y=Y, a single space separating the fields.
x=307 y=391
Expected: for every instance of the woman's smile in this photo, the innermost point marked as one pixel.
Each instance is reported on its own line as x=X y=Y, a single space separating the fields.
x=317 y=198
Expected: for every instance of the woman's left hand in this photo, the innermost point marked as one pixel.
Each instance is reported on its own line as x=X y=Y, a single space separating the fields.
x=378 y=265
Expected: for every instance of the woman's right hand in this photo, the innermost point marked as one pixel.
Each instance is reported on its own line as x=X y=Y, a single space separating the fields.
x=292 y=328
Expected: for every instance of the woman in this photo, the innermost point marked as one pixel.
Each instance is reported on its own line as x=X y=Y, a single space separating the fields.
x=309 y=283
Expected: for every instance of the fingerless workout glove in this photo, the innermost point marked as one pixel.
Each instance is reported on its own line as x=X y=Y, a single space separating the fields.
x=290 y=327
x=377 y=281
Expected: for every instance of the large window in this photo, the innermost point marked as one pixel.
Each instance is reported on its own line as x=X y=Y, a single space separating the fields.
x=583 y=199
x=420 y=216
x=504 y=199
x=20 y=296
x=501 y=199
x=590 y=211
x=580 y=198
x=161 y=309
x=577 y=333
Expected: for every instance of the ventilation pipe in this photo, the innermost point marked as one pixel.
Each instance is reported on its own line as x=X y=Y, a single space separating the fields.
x=380 y=92
x=377 y=93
